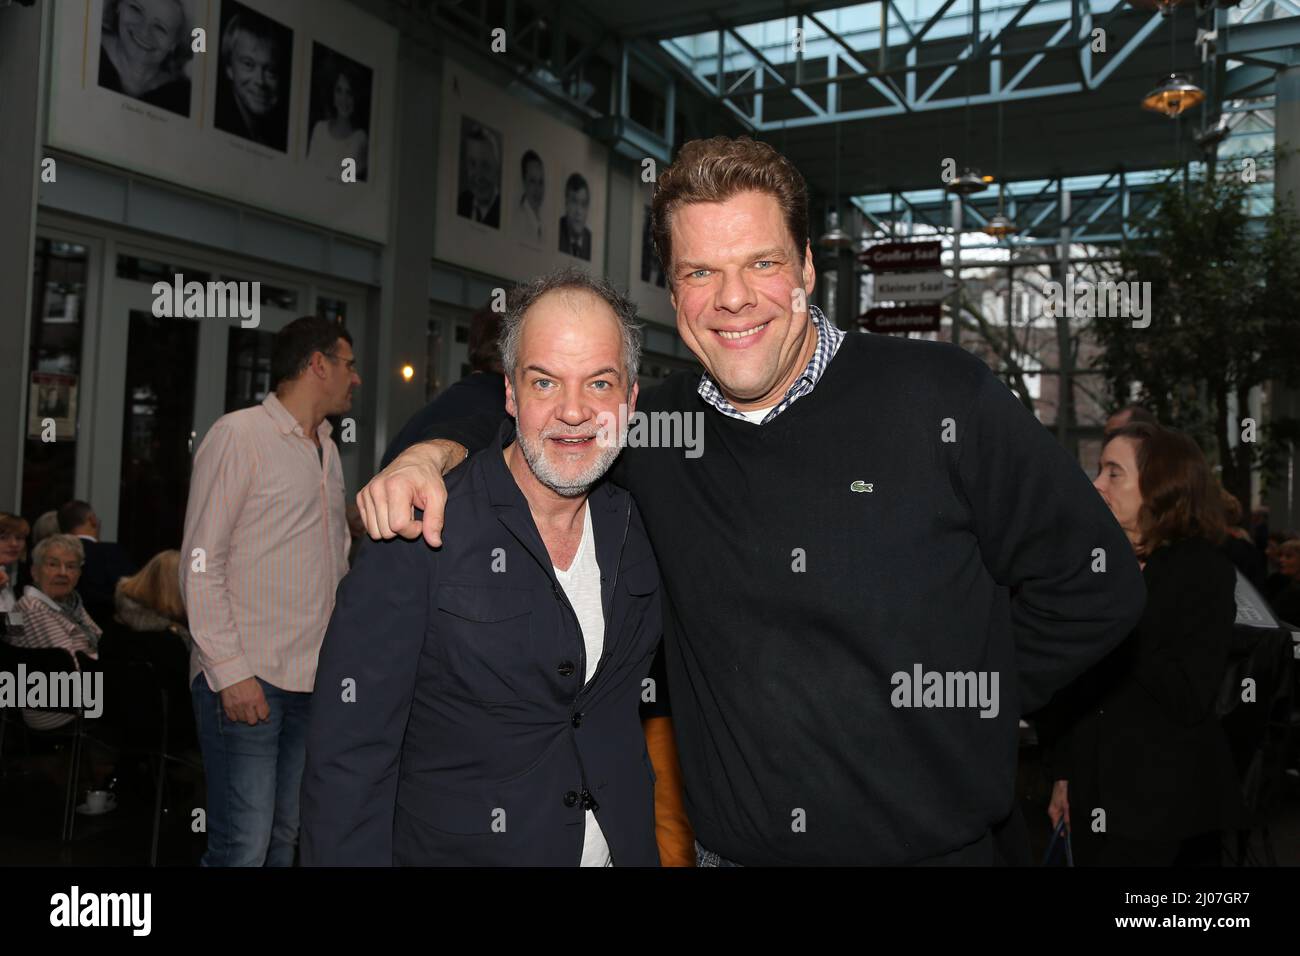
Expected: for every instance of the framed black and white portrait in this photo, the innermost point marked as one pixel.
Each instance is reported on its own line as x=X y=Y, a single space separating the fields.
x=575 y=234
x=478 y=186
x=254 y=76
x=145 y=51
x=528 y=216
x=338 y=124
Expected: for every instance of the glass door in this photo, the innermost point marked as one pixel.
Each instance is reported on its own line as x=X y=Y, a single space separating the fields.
x=348 y=309
x=162 y=383
x=56 y=387
x=157 y=421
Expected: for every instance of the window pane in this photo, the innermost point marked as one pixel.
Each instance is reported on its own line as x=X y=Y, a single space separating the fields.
x=53 y=387
x=248 y=368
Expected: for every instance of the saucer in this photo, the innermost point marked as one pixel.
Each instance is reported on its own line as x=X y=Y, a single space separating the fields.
x=109 y=807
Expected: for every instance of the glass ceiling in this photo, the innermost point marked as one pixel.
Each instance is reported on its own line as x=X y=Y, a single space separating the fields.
x=859 y=26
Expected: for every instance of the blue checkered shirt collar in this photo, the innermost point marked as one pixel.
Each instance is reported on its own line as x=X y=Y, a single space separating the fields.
x=828 y=343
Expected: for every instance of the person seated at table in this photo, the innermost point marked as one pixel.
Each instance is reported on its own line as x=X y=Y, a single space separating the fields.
x=150 y=600
x=1286 y=599
x=150 y=606
x=13 y=548
x=44 y=526
x=54 y=616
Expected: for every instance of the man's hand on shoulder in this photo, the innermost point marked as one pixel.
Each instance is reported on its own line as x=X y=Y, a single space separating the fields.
x=413 y=480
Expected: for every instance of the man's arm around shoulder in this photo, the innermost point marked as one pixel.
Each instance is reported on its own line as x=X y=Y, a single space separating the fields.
x=414 y=480
x=1045 y=532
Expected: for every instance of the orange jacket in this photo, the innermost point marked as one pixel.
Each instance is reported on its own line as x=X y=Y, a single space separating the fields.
x=672 y=829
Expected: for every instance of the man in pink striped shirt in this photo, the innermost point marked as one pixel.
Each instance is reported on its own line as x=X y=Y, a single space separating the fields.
x=265 y=546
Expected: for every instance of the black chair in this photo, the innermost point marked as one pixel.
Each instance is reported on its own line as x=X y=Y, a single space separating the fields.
x=140 y=728
x=1259 y=731
x=45 y=660
x=147 y=664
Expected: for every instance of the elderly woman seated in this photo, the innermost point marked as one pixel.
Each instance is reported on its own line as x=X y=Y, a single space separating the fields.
x=136 y=664
x=53 y=615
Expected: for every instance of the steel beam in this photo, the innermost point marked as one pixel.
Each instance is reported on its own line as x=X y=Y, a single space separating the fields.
x=1113 y=62
x=890 y=92
x=1249 y=79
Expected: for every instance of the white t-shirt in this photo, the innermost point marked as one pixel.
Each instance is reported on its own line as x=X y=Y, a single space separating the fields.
x=581 y=585
x=757 y=415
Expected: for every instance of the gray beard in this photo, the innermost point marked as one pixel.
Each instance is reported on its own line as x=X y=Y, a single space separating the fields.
x=535 y=455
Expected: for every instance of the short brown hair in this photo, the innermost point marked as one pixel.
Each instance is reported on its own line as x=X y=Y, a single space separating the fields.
x=714 y=170
x=295 y=344
x=1180 y=498
x=73 y=514
x=16 y=525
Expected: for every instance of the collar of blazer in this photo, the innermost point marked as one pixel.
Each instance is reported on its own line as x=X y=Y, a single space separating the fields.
x=611 y=513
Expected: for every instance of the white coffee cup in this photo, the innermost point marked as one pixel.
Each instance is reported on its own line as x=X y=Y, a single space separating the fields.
x=97 y=800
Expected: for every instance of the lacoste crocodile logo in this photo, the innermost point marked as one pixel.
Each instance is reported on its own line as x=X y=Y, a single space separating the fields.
x=862 y=486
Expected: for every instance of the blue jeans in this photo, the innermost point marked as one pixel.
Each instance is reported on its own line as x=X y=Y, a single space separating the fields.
x=253 y=776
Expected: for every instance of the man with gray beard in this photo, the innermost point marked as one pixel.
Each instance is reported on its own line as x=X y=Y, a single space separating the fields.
x=479 y=701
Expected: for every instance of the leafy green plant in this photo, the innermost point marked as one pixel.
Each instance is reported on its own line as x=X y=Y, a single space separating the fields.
x=1225 y=317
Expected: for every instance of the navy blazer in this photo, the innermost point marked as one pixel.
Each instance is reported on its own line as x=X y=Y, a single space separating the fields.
x=449 y=723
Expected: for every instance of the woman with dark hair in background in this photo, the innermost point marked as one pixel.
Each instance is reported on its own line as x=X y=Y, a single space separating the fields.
x=144 y=49
x=1143 y=774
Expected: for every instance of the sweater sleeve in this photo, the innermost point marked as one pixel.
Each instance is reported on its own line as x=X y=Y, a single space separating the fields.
x=1045 y=533
x=475 y=432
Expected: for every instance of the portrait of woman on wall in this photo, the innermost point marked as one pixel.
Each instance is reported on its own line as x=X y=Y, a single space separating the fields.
x=340 y=113
x=145 y=52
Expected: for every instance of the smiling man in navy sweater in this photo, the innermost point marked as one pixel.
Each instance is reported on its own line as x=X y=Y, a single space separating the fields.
x=877 y=564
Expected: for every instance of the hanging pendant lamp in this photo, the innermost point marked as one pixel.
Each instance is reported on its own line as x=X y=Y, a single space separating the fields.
x=1175 y=95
